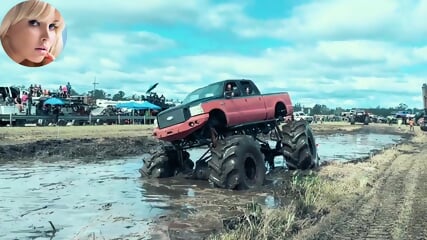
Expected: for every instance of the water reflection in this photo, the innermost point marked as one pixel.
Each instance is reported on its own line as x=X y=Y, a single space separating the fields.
x=77 y=198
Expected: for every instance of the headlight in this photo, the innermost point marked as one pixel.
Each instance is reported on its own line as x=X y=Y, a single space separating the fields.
x=196 y=110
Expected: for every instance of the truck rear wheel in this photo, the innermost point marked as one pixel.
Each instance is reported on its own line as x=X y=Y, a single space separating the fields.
x=164 y=163
x=237 y=163
x=366 y=120
x=299 y=146
x=352 y=120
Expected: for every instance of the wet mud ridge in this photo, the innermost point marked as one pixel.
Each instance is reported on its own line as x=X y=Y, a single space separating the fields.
x=81 y=148
x=394 y=208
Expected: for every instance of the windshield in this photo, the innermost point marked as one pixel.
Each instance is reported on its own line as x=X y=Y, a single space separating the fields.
x=213 y=90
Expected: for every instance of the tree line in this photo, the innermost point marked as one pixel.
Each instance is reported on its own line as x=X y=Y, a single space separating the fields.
x=321 y=109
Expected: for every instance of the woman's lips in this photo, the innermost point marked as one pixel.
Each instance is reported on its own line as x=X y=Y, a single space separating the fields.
x=41 y=51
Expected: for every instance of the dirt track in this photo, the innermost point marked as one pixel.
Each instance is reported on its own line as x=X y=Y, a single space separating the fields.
x=393 y=205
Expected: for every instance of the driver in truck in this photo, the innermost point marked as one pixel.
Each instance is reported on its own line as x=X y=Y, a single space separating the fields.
x=229 y=90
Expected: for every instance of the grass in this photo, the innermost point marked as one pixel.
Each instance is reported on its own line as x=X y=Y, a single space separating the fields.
x=25 y=134
x=262 y=223
x=312 y=195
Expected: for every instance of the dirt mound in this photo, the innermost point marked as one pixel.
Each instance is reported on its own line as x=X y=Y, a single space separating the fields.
x=85 y=148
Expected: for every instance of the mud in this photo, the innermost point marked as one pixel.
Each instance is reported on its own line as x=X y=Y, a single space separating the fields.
x=86 y=149
x=150 y=205
x=393 y=205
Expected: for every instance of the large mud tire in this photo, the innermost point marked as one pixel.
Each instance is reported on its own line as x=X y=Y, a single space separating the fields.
x=237 y=163
x=163 y=163
x=366 y=120
x=299 y=146
x=352 y=120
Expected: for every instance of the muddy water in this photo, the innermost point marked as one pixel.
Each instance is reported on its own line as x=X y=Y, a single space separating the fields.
x=345 y=147
x=107 y=199
x=104 y=198
x=339 y=147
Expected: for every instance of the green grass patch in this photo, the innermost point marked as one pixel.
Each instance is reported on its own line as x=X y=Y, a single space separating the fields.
x=258 y=222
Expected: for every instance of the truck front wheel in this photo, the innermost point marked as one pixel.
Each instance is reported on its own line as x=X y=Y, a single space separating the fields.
x=164 y=162
x=299 y=147
x=237 y=163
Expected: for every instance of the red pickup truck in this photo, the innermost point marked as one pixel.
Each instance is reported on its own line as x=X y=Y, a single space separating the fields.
x=221 y=105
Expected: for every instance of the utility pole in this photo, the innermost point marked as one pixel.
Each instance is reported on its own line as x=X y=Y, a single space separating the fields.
x=94 y=88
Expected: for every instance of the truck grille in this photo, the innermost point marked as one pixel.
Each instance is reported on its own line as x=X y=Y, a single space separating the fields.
x=172 y=117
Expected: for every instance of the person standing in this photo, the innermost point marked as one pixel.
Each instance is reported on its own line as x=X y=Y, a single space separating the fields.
x=411 y=125
x=69 y=89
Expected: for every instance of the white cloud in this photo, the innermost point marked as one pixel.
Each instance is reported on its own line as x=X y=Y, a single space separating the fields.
x=109 y=64
x=344 y=20
x=338 y=53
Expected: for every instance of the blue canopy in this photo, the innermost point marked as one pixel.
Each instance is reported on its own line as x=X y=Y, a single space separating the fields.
x=54 y=101
x=138 y=106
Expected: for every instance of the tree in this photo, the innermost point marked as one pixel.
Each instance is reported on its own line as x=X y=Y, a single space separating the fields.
x=317 y=109
x=321 y=109
x=135 y=97
x=402 y=106
x=99 y=94
x=297 y=107
x=118 y=96
x=338 y=111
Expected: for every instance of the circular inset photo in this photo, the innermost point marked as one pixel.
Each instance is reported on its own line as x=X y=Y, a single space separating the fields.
x=31 y=33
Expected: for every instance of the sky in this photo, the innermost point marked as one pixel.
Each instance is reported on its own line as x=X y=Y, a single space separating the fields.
x=340 y=53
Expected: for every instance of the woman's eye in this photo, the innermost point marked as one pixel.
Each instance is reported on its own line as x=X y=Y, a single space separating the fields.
x=52 y=27
x=34 y=23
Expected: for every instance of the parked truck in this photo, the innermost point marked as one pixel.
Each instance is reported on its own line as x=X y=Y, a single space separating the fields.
x=232 y=118
x=300 y=115
x=359 y=116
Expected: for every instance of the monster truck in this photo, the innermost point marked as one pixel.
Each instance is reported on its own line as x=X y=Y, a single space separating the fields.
x=237 y=123
x=423 y=124
x=359 y=116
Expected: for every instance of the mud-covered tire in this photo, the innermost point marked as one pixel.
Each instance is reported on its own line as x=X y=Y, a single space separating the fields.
x=237 y=163
x=366 y=120
x=163 y=163
x=299 y=146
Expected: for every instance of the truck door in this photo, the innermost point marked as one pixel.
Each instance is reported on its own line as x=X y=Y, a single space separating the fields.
x=255 y=106
x=233 y=105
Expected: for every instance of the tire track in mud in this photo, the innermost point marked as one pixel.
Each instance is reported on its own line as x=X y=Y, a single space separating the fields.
x=376 y=217
x=417 y=224
x=395 y=208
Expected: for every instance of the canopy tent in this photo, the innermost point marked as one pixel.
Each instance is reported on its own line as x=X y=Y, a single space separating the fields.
x=54 y=101
x=138 y=106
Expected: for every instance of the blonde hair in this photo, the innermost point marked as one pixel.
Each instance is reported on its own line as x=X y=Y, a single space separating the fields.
x=34 y=9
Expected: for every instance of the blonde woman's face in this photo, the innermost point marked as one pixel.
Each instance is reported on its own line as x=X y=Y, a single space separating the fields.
x=31 y=39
